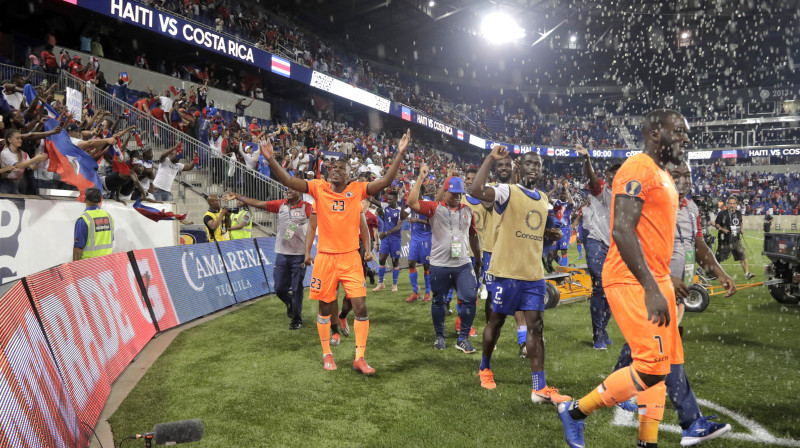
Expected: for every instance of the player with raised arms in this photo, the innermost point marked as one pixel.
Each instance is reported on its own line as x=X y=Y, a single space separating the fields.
x=338 y=207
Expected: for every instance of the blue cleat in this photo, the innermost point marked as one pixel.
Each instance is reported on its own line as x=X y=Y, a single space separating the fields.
x=573 y=429
x=703 y=429
x=629 y=405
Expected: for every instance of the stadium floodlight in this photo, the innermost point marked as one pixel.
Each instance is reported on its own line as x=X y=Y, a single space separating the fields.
x=573 y=38
x=501 y=28
x=432 y=3
x=685 y=35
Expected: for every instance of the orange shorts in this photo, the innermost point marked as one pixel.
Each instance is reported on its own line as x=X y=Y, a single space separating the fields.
x=653 y=348
x=331 y=269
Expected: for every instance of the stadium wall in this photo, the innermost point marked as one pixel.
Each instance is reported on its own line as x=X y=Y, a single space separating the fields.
x=36 y=233
x=140 y=79
x=68 y=332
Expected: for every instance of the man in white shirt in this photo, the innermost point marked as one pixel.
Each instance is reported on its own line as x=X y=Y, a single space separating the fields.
x=168 y=168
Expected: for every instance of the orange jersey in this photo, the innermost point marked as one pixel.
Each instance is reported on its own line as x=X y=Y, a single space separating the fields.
x=338 y=215
x=640 y=178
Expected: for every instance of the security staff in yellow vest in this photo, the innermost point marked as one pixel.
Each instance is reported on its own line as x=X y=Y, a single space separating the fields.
x=521 y=225
x=217 y=221
x=94 y=230
x=242 y=223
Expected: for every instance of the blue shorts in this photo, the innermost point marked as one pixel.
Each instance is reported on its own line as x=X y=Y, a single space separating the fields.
x=419 y=251
x=563 y=243
x=512 y=295
x=487 y=279
x=391 y=246
x=461 y=278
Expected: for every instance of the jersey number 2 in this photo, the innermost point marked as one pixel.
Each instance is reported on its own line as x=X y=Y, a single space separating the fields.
x=338 y=205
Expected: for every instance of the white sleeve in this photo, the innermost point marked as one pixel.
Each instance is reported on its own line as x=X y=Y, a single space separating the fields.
x=501 y=193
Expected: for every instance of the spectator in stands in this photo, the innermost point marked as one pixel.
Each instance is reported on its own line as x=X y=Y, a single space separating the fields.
x=15 y=162
x=254 y=128
x=49 y=62
x=94 y=229
x=240 y=107
x=121 y=90
x=168 y=168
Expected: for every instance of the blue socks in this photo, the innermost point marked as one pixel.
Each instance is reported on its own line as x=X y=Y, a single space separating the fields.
x=381 y=272
x=580 y=250
x=395 y=275
x=412 y=277
x=564 y=260
x=522 y=334
x=538 y=380
x=486 y=362
x=427 y=282
x=449 y=295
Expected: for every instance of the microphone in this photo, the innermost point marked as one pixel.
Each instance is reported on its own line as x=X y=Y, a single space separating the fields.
x=184 y=431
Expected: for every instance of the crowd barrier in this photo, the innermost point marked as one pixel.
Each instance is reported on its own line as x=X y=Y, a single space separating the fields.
x=68 y=332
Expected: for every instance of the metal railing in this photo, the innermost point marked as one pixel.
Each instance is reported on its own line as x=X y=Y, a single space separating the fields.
x=216 y=173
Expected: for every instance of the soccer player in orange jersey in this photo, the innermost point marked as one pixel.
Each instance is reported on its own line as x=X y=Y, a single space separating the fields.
x=338 y=207
x=636 y=278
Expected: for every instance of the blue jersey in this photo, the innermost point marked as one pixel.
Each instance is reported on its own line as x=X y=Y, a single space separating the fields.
x=391 y=216
x=421 y=232
x=566 y=212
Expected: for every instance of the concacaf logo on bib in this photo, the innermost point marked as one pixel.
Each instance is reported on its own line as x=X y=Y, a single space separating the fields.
x=533 y=220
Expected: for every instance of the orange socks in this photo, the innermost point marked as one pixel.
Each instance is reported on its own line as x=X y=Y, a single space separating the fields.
x=616 y=388
x=361 y=329
x=324 y=330
x=651 y=411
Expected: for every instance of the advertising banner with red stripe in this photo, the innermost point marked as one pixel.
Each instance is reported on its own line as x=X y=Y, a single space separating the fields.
x=156 y=289
x=36 y=409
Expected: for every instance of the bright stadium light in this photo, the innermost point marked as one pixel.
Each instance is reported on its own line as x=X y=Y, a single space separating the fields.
x=685 y=35
x=500 y=28
x=573 y=38
x=432 y=3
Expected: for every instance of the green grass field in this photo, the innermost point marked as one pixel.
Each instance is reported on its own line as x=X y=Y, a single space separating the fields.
x=254 y=383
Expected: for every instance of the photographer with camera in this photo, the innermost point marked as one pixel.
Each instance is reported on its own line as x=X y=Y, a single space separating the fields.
x=729 y=224
x=217 y=220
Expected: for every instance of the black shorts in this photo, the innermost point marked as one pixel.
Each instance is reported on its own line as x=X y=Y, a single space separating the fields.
x=724 y=250
x=114 y=181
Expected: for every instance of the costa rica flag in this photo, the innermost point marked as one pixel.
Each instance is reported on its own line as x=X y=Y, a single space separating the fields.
x=281 y=66
x=460 y=134
x=551 y=151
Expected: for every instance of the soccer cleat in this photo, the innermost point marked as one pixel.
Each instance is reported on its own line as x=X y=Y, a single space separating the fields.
x=749 y=275
x=295 y=325
x=472 y=332
x=361 y=366
x=523 y=350
x=573 y=429
x=394 y=288
x=465 y=346
x=440 y=343
x=449 y=311
x=600 y=345
x=335 y=339
x=580 y=257
x=380 y=287
x=344 y=327
x=427 y=297
x=327 y=362
x=702 y=429
x=629 y=405
x=413 y=297
x=548 y=394
x=487 y=379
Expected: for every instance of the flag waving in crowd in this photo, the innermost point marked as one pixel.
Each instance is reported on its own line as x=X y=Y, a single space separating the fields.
x=75 y=166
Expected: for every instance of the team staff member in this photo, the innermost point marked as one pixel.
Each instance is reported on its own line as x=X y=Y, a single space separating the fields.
x=290 y=245
x=688 y=242
x=521 y=224
x=393 y=218
x=217 y=222
x=636 y=277
x=338 y=206
x=566 y=207
x=451 y=267
x=729 y=223
x=597 y=226
x=242 y=222
x=94 y=230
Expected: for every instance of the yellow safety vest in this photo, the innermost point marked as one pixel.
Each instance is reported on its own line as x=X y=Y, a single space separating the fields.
x=101 y=233
x=244 y=232
x=221 y=232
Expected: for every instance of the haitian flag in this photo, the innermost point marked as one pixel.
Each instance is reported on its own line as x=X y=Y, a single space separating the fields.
x=30 y=94
x=74 y=165
x=405 y=113
x=154 y=214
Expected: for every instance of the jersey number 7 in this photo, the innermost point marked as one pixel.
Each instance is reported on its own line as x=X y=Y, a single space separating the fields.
x=338 y=205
